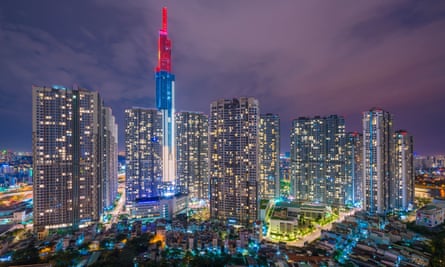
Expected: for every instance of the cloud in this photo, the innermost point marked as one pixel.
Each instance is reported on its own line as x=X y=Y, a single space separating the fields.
x=299 y=58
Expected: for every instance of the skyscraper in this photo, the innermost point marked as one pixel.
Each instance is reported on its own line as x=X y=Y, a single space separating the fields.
x=165 y=102
x=152 y=188
x=233 y=153
x=378 y=180
x=403 y=170
x=193 y=154
x=317 y=160
x=269 y=156
x=108 y=144
x=143 y=150
x=69 y=165
x=354 y=168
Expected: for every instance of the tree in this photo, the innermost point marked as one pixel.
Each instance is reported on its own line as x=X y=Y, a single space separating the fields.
x=28 y=255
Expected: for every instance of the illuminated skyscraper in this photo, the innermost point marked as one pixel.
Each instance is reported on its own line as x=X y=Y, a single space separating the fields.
x=193 y=154
x=233 y=152
x=165 y=102
x=318 y=160
x=109 y=148
x=354 y=168
x=143 y=150
x=377 y=161
x=71 y=157
x=269 y=156
x=403 y=171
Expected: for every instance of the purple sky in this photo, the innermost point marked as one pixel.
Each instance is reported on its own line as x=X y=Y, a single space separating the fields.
x=299 y=58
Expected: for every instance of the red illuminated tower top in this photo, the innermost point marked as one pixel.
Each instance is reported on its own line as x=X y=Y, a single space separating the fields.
x=164 y=46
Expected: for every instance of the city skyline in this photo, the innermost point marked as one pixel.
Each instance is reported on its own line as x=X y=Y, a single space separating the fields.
x=297 y=58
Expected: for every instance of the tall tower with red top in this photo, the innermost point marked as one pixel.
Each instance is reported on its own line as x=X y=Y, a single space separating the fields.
x=165 y=102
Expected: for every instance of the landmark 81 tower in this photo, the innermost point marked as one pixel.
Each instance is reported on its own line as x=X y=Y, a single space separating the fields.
x=165 y=102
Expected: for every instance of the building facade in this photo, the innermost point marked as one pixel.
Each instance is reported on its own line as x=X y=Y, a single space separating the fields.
x=354 y=168
x=192 y=154
x=403 y=171
x=233 y=153
x=378 y=178
x=143 y=149
x=109 y=147
x=70 y=160
x=269 y=156
x=318 y=160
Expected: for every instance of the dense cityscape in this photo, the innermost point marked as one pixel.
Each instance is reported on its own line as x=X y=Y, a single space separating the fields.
x=214 y=187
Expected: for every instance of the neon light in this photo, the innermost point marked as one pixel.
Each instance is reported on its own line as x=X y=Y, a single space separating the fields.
x=165 y=102
x=164 y=46
x=164 y=19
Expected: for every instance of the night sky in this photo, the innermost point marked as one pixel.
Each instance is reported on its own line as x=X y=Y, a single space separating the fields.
x=299 y=58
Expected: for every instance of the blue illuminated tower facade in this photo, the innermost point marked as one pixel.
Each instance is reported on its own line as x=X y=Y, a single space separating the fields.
x=165 y=102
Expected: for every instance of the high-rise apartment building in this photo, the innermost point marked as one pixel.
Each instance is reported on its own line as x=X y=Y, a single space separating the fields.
x=403 y=171
x=109 y=147
x=192 y=154
x=143 y=150
x=354 y=168
x=233 y=153
x=69 y=158
x=378 y=178
x=269 y=156
x=318 y=160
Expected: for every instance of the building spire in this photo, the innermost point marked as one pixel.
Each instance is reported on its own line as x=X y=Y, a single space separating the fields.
x=164 y=46
x=164 y=19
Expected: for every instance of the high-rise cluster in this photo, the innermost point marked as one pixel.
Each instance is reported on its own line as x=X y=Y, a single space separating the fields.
x=230 y=158
x=75 y=157
x=388 y=176
x=374 y=169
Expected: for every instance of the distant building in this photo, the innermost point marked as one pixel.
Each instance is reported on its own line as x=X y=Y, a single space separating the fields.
x=72 y=158
x=403 y=171
x=318 y=160
x=354 y=168
x=285 y=176
x=269 y=156
x=192 y=154
x=378 y=176
x=233 y=153
x=429 y=162
x=109 y=146
x=143 y=147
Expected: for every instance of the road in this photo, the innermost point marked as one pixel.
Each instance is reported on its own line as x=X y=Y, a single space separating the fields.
x=118 y=209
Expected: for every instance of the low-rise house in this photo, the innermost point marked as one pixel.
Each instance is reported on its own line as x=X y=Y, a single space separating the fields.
x=430 y=216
